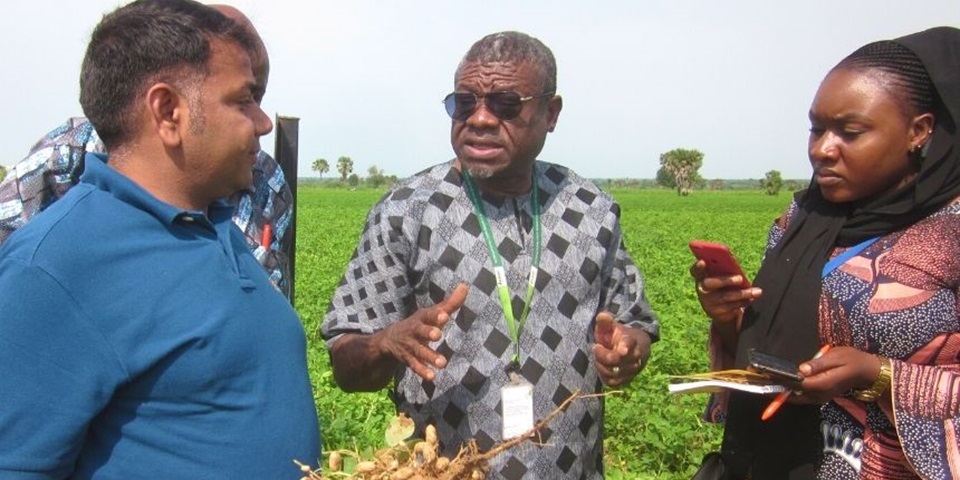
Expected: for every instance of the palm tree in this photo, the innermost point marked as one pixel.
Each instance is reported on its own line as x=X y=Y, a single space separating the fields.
x=344 y=167
x=320 y=166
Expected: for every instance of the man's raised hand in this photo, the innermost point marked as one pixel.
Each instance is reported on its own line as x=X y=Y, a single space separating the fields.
x=408 y=341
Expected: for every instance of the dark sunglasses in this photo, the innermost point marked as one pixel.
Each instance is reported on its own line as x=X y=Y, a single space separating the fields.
x=505 y=105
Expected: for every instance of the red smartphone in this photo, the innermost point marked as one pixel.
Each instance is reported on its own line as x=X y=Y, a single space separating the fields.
x=720 y=261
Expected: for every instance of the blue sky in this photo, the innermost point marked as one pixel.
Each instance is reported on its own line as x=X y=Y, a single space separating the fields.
x=733 y=79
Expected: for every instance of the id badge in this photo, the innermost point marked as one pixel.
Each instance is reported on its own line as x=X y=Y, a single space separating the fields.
x=517 y=402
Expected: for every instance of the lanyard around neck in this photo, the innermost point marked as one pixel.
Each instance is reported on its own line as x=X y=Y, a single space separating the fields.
x=502 y=288
x=847 y=254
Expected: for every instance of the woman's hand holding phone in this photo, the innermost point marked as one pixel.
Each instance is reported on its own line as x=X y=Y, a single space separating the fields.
x=777 y=368
x=722 y=287
x=835 y=373
x=719 y=262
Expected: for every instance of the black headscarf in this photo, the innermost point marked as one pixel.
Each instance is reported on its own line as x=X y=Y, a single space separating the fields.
x=784 y=320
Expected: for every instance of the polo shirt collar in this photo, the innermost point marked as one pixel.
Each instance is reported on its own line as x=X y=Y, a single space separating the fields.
x=97 y=173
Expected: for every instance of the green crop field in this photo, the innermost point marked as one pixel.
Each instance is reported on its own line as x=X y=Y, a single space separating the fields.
x=649 y=433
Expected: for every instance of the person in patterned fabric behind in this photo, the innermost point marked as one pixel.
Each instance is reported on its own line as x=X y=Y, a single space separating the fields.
x=55 y=163
x=866 y=260
x=139 y=336
x=436 y=297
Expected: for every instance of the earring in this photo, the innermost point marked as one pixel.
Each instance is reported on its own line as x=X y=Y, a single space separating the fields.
x=922 y=145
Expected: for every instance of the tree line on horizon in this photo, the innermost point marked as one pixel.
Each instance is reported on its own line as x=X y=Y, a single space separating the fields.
x=376 y=177
x=679 y=170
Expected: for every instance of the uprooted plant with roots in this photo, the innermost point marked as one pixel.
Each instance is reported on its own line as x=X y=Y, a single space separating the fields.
x=406 y=459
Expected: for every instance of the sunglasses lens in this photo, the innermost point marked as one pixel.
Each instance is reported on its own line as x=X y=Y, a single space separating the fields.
x=505 y=105
x=460 y=105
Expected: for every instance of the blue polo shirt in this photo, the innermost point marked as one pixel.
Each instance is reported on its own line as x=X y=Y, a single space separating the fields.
x=139 y=340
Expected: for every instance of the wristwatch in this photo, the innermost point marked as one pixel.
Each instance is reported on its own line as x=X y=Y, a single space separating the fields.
x=880 y=385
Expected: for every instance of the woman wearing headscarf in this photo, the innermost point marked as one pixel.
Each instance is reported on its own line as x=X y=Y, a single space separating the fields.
x=866 y=260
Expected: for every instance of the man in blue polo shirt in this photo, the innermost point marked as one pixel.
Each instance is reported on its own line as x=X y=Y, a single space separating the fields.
x=55 y=163
x=139 y=334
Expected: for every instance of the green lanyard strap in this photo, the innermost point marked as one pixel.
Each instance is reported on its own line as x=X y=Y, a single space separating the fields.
x=502 y=288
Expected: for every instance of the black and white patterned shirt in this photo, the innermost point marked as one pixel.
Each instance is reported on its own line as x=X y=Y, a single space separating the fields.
x=423 y=238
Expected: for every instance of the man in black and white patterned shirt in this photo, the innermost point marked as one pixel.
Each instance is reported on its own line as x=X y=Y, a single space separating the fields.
x=436 y=297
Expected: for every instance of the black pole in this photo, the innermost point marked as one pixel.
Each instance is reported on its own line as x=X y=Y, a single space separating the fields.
x=285 y=151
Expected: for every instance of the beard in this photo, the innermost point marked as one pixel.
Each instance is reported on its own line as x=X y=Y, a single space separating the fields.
x=479 y=173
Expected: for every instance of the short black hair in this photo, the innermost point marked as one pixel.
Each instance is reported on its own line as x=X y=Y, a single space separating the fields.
x=143 y=42
x=514 y=47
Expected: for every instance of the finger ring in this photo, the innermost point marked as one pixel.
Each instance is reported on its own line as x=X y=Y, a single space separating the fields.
x=616 y=370
x=703 y=291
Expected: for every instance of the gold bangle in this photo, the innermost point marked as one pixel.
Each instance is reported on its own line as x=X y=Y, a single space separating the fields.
x=880 y=385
